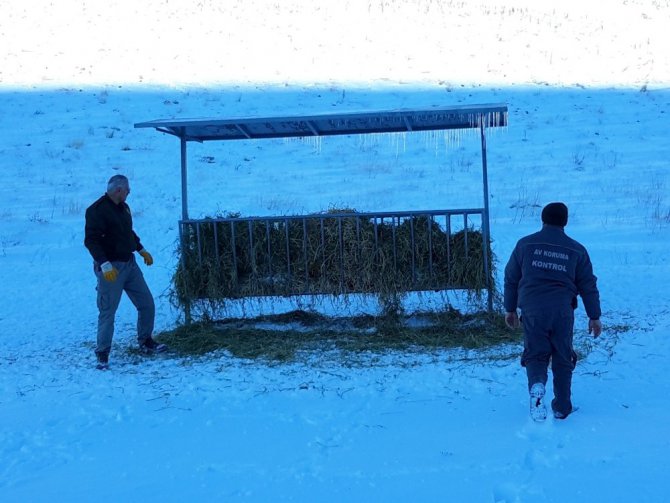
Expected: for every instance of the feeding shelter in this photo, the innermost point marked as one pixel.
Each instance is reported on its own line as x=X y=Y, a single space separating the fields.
x=334 y=253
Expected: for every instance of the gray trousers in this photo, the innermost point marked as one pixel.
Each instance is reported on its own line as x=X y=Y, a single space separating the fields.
x=548 y=336
x=131 y=281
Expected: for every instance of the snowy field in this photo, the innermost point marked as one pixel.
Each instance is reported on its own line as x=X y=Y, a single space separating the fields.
x=588 y=91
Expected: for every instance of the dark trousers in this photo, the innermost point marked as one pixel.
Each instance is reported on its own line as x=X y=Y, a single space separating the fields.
x=548 y=336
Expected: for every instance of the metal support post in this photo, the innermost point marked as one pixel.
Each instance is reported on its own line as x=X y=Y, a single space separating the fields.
x=485 y=218
x=184 y=215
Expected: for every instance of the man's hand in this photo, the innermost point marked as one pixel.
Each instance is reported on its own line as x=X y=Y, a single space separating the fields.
x=148 y=259
x=512 y=319
x=109 y=272
x=595 y=328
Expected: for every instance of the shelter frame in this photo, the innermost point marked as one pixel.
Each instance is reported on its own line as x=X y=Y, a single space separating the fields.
x=352 y=123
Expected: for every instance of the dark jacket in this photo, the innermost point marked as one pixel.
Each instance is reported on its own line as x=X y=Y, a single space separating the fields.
x=109 y=234
x=548 y=269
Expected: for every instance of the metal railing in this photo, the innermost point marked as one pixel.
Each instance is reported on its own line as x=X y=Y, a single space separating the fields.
x=333 y=253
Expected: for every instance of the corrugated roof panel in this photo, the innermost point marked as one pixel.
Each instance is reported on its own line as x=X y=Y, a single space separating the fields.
x=388 y=121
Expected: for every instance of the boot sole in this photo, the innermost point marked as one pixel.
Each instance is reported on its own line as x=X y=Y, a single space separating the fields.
x=538 y=411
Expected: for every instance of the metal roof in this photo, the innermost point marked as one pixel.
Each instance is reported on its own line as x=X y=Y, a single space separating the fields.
x=349 y=123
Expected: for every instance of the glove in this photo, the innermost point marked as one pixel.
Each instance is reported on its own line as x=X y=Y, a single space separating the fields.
x=148 y=259
x=109 y=272
x=595 y=327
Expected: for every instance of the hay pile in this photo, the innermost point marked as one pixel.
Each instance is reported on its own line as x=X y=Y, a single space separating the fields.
x=314 y=339
x=332 y=253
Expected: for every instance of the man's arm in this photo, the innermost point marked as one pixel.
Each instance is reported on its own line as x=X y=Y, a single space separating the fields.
x=94 y=232
x=586 y=283
x=511 y=282
x=511 y=289
x=587 y=286
x=138 y=244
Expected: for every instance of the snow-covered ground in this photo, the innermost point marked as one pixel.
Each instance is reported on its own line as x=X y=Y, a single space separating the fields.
x=588 y=90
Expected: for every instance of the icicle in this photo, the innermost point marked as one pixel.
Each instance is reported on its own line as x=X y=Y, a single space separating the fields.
x=315 y=142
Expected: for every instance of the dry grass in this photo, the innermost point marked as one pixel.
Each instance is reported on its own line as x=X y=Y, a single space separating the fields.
x=301 y=335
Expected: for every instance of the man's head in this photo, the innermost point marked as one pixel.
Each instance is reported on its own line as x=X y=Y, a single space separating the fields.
x=555 y=214
x=118 y=188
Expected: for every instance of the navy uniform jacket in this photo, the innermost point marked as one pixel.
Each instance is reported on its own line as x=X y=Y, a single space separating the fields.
x=109 y=234
x=549 y=269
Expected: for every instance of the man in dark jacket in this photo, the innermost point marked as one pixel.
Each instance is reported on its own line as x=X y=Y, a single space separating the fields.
x=544 y=275
x=110 y=239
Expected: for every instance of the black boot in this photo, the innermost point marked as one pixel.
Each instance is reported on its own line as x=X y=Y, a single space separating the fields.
x=150 y=346
x=103 y=360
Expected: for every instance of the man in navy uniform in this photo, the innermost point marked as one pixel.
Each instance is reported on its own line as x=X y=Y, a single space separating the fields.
x=544 y=275
x=110 y=239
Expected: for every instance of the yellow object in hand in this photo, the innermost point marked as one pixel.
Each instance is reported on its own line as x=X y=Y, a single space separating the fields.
x=109 y=272
x=148 y=259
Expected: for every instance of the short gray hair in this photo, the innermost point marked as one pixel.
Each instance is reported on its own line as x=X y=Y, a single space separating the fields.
x=117 y=181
